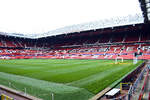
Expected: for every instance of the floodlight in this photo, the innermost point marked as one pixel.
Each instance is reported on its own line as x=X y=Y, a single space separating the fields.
x=147 y=1
x=149 y=16
x=148 y=10
x=148 y=5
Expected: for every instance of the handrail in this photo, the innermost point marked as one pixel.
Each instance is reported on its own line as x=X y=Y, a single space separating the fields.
x=143 y=87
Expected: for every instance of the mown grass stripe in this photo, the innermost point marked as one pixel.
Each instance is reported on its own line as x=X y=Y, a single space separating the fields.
x=40 y=87
x=79 y=75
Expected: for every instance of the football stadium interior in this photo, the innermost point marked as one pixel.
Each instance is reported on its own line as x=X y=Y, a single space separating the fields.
x=110 y=62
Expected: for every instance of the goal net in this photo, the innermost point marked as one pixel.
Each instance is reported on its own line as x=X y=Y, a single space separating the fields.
x=135 y=60
x=118 y=59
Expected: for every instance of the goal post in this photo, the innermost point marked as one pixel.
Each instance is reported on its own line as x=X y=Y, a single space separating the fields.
x=135 y=60
x=118 y=58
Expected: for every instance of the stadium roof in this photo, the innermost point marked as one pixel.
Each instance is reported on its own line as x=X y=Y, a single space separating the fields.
x=110 y=20
x=145 y=7
x=101 y=24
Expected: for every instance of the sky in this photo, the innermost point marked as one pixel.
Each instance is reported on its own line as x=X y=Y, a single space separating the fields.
x=38 y=16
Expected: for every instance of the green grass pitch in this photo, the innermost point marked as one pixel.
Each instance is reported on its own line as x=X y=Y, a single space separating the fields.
x=67 y=79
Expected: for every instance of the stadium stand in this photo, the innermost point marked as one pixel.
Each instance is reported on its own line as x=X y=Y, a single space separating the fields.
x=128 y=42
x=123 y=41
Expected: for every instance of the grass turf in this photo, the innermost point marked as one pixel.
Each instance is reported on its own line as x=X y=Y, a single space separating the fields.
x=67 y=79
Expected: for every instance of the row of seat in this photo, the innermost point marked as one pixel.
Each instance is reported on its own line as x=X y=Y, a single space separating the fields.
x=74 y=40
x=103 y=52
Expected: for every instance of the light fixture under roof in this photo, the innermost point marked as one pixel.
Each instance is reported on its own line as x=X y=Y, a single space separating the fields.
x=147 y=1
